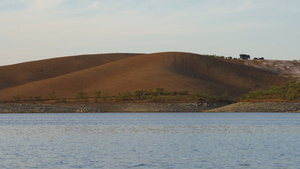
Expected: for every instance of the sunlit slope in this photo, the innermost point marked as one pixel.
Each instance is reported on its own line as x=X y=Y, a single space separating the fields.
x=169 y=70
x=14 y=75
x=286 y=68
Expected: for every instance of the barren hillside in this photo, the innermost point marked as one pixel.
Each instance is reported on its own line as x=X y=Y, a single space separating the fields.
x=114 y=73
x=14 y=75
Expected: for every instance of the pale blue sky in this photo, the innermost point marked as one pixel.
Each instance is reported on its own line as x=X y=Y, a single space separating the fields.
x=40 y=29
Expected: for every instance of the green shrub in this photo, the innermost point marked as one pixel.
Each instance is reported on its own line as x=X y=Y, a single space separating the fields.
x=224 y=96
x=174 y=93
x=154 y=93
x=105 y=97
x=140 y=94
x=97 y=94
x=80 y=95
x=86 y=97
x=160 y=90
x=184 y=92
x=16 y=98
x=178 y=97
x=52 y=96
x=120 y=97
x=155 y=98
x=63 y=99
x=192 y=96
x=38 y=98
x=169 y=98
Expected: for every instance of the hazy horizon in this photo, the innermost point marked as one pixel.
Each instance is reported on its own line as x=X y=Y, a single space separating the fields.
x=36 y=29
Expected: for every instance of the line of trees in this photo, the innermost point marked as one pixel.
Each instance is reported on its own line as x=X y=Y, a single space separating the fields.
x=242 y=56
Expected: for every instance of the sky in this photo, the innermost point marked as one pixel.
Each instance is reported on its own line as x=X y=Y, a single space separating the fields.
x=40 y=29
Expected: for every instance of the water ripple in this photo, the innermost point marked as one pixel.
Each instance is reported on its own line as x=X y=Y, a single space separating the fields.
x=146 y=141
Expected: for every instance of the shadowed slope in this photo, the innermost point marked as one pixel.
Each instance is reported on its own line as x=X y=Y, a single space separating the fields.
x=170 y=70
x=223 y=72
x=14 y=75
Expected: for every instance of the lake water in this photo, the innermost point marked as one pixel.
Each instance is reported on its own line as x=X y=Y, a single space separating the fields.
x=150 y=140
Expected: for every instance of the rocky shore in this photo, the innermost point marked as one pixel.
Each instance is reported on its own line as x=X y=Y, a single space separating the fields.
x=106 y=107
x=260 y=107
x=148 y=107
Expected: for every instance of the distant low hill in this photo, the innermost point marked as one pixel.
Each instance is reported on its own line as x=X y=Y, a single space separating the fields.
x=118 y=73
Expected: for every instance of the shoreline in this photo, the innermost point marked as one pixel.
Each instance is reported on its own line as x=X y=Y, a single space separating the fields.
x=106 y=107
x=286 y=107
x=148 y=107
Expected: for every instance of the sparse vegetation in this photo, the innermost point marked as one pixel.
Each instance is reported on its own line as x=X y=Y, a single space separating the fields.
x=224 y=96
x=184 y=92
x=140 y=94
x=220 y=57
x=289 y=91
x=155 y=95
x=215 y=56
x=38 y=98
x=63 y=99
x=97 y=95
x=105 y=97
x=162 y=95
x=30 y=98
x=80 y=95
x=52 y=96
x=178 y=97
x=16 y=98
x=85 y=97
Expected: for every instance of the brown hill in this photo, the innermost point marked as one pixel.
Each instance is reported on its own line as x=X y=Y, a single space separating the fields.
x=116 y=73
x=14 y=75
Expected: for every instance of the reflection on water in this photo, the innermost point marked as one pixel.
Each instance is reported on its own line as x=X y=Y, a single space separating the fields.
x=150 y=140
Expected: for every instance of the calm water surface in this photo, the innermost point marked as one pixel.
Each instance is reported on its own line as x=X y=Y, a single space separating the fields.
x=150 y=140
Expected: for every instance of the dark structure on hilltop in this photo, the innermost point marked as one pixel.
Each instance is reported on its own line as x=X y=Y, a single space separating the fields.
x=244 y=56
x=262 y=58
